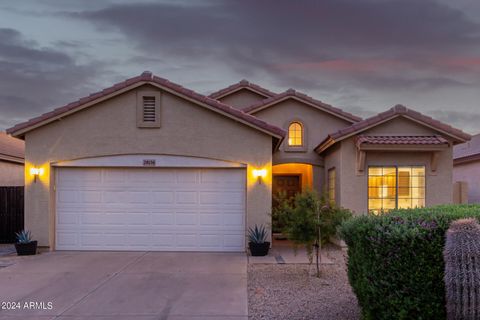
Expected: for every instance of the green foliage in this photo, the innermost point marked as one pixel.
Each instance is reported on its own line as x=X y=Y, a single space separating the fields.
x=284 y=214
x=257 y=234
x=301 y=225
x=331 y=218
x=281 y=210
x=308 y=213
x=395 y=261
x=24 y=236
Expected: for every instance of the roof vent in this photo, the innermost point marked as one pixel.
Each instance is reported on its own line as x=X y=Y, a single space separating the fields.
x=149 y=109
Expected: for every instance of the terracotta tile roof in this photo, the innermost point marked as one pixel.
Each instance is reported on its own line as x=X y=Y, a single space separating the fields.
x=243 y=84
x=144 y=78
x=467 y=149
x=398 y=110
x=400 y=140
x=11 y=149
x=291 y=93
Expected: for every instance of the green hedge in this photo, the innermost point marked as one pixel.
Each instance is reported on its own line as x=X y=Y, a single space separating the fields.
x=395 y=262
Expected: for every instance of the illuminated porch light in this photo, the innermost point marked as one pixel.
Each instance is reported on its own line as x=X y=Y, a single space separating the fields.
x=35 y=172
x=259 y=174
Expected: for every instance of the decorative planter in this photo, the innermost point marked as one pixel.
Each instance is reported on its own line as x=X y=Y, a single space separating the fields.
x=26 y=249
x=259 y=249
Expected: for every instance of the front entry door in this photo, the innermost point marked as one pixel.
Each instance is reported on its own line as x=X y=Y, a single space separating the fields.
x=289 y=184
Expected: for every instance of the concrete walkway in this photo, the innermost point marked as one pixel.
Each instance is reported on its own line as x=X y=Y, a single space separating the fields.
x=6 y=249
x=126 y=285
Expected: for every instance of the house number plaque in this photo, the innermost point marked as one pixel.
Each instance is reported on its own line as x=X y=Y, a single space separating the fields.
x=149 y=162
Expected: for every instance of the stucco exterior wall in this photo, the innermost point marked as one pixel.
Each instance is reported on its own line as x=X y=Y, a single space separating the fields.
x=242 y=98
x=317 y=125
x=354 y=186
x=109 y=128
x=11 y=174
x=469 y=173
x=333 y=160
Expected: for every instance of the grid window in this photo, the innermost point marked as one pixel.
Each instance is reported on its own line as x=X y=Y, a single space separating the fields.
x=295 y=134
x=331 y=185
x=395 y=187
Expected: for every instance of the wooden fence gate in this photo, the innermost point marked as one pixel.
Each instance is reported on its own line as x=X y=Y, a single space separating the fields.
x=11 y=213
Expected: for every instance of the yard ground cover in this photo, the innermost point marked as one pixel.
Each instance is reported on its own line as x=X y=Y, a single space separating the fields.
x=287 y=291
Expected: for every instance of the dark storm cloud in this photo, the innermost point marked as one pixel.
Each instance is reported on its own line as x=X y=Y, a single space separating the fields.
x=35 y=79
x=343 y=39
x=363 y=56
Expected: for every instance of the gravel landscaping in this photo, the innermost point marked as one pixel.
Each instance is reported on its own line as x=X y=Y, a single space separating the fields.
x=287 y=291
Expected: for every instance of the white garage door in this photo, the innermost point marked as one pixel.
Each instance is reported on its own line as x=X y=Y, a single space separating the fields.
x=150 y=209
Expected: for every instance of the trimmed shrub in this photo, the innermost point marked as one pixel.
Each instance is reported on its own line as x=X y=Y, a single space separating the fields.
x=395 y=261
x=462 y=269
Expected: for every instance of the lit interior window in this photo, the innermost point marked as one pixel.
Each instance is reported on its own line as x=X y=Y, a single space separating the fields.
x=395 y=187
x=295 y=134
x=331 y=185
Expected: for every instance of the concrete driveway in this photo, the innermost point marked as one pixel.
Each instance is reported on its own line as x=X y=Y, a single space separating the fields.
x=126 y=285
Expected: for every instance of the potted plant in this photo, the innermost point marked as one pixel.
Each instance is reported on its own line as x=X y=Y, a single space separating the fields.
x=24 y=245
x=257 y=241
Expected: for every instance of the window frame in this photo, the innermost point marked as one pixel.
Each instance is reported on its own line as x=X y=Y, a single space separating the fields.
x=301 y=134
x=140 y=100
x=329 y=188
x=397 y=182
x=296 y=148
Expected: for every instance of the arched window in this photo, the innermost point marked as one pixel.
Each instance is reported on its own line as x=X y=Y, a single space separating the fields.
x=295 y=134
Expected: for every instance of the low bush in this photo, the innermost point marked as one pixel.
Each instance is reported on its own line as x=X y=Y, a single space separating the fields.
x=395 y=261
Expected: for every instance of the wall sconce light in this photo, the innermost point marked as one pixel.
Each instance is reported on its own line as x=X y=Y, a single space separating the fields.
x=260 y=174
x=35 y=172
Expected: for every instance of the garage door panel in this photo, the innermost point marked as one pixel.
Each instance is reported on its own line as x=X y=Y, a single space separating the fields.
x=87 y=178
x=163 y=240
x=211 y=219
x=68 y=219
x=186 y=240
x=161 y=178
x=67 y=196
x=67 y=239
x=186 y=218
x=150 y=209
x=187 y=177
x=163 y=197
x=186 y=197
x=222 y=176
x=163 y=218
x=89 y=196
x=221 y=197
x=233 y=240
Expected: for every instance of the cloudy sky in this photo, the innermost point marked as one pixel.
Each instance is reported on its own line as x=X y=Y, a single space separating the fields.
x=361 y=55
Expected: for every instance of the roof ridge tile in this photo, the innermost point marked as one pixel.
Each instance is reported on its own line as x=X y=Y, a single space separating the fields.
x=239 y=85
x=293 y=93
x=397 y=110
x=149 y=77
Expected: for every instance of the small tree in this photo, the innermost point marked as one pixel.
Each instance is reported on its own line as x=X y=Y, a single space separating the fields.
x=310 y=222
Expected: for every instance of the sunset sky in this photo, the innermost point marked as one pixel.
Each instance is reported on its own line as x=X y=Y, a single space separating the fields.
x=363 y=56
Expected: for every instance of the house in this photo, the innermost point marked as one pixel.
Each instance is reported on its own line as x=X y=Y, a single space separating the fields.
x=11 y=161
x=149 y=165
x=466 y=170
